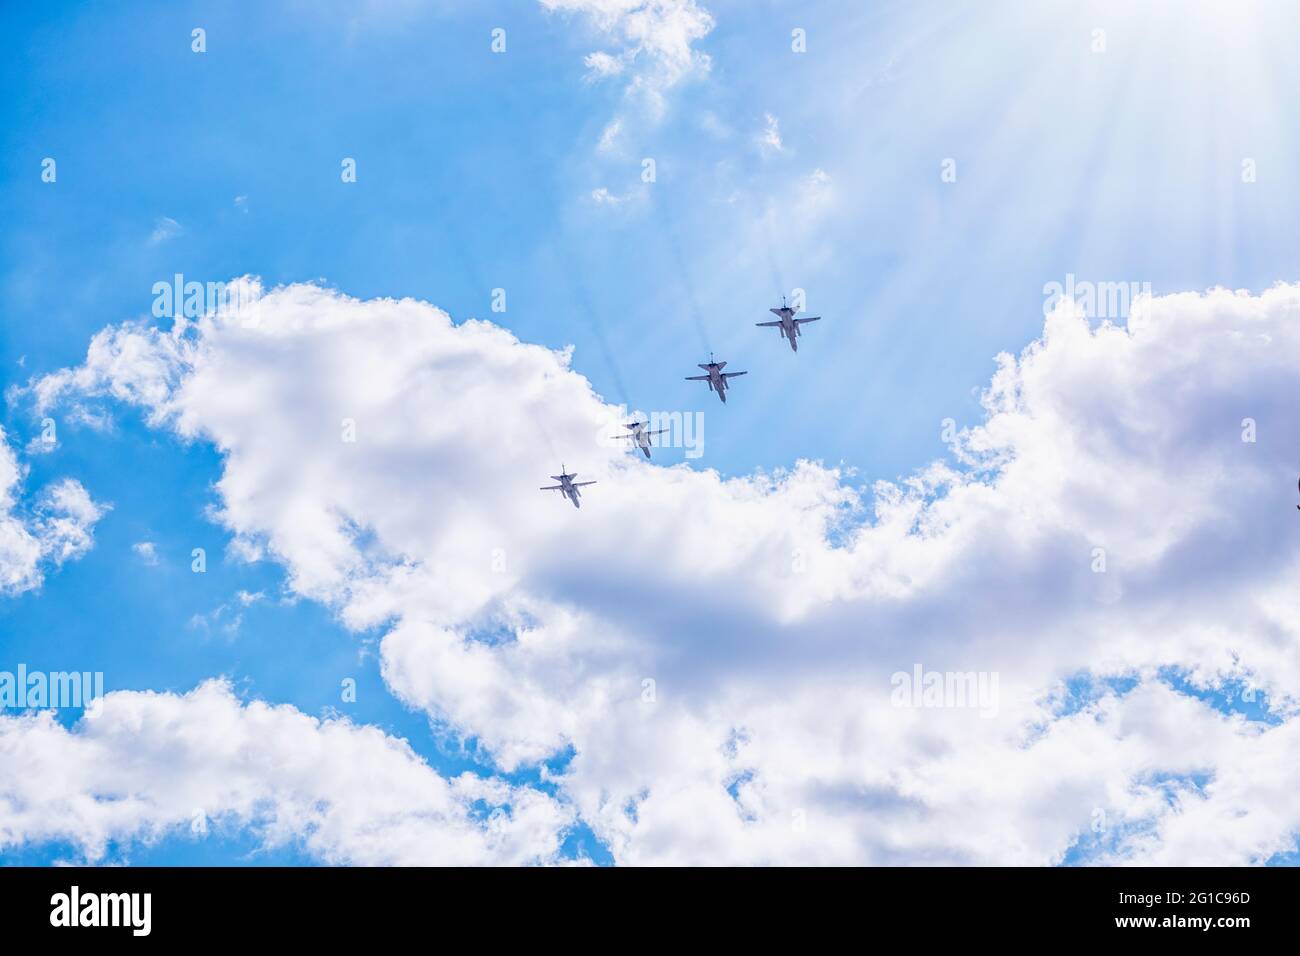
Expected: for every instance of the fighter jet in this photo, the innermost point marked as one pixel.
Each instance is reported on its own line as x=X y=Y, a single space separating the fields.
x=716 y=378
x=567 y=486
x=639 y=435
x=788 y=324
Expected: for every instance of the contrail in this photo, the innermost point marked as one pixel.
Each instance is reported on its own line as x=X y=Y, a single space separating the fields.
x=669 y=231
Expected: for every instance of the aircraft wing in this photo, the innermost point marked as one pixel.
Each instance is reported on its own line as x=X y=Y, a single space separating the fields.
x=579 y=484
x=768 y=324
x=697 y=378
x=733 y=374
x=550 y=488
x=811 y=318
x=628 y=435
x=659 y=432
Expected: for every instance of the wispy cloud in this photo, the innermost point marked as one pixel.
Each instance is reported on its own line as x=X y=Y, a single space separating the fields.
x=652 y=43
x=610 y=135
x=227 y=617
x=164 y=229
x=769 y=139
x=146 y=551
x=601 y=64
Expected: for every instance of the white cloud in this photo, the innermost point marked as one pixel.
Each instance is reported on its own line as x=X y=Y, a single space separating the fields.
x=165 y=228
x=228 y=617
x=57 y=529
x=769 y=140
x=603 y=197
x=770 y=611
x=654 y=42
x=153 y=765
x=147 y=551
x=20 y=552
x=602 y=64
x=609 y=137
x=65 y=519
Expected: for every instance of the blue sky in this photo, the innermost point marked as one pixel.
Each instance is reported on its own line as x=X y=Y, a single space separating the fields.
x=474 y=168
x=477 y=171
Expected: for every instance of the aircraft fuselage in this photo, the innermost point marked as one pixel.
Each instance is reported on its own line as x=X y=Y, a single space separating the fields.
x=569 y=491
x=789 y=327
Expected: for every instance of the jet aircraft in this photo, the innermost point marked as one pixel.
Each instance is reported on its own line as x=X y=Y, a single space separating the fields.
x=716 y=377
x=640 y=436
x=567 y=486
x=788 y=324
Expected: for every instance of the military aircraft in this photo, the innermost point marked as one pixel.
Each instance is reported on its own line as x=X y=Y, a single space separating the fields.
x=639 y=435
x=716 y=378
x=788 y=324
x=567 y=486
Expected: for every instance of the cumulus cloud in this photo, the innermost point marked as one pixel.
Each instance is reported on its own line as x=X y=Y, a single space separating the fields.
x=58 y=528
x=1104 y=542
x=154 y=765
